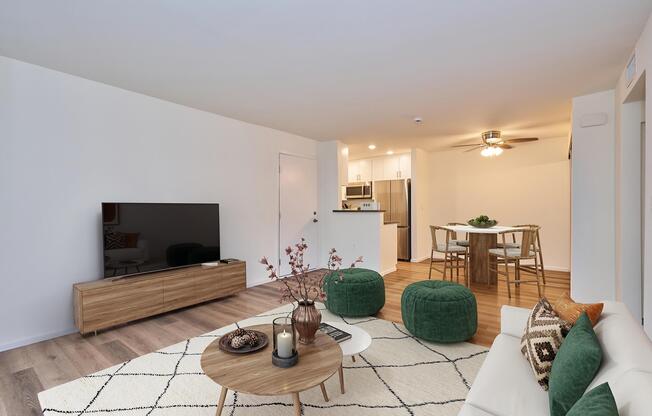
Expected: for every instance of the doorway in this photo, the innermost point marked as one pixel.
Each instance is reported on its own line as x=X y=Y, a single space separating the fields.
x=298 y=208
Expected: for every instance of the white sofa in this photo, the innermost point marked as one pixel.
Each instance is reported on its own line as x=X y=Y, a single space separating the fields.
x=505 y=385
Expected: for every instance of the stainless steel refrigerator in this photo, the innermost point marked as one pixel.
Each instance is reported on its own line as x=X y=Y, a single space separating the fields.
x=394 y=198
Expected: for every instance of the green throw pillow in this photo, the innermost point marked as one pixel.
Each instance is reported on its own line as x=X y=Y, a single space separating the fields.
x=598 y=402
x=575 y=365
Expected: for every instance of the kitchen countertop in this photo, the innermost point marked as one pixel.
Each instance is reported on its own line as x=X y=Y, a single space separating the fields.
x=391 y=222
x=358 y=210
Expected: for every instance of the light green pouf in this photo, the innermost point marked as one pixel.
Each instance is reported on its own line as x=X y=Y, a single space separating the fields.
x=439 y=311
x=360 y=292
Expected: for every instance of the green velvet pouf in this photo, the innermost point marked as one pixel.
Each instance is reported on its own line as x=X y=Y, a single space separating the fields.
x=360 y=292
x=439 y=311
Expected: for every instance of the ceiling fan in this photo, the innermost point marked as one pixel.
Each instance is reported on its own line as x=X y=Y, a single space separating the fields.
x=492 y=144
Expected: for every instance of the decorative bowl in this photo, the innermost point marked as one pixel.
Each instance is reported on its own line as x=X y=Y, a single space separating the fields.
x=262 y=343
x=487 y=224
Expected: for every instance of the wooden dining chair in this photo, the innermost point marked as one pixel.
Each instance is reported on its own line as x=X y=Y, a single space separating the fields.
x=506 y=255
x=536 y=244
x=460 y=242
x=453 y=253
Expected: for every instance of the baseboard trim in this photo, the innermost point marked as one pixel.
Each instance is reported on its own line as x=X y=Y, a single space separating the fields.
x=37 y=338
x=419 y=259
x=388 y=271
x=558 y=269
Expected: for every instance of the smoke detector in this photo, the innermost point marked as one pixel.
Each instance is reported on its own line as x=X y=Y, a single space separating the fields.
x=418 y=120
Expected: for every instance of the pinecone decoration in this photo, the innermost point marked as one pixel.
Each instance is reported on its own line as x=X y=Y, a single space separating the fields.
x=240 y=341
x=253 y=339
x=237 y=333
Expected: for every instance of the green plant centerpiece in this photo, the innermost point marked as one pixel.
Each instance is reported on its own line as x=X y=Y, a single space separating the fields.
x=482 y=221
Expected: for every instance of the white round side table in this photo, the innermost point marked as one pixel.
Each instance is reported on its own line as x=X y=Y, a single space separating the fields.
x=360 y=340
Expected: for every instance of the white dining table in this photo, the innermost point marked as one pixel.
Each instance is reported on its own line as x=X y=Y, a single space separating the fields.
x=480 y=241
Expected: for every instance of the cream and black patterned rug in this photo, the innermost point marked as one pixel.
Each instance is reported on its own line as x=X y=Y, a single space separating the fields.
x=397 y=375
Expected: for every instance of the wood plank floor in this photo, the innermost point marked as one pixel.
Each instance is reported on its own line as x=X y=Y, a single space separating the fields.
x=28 y=370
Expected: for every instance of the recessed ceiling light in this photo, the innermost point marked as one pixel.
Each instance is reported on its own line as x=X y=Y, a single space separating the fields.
x=390 y=152
x=371 y=146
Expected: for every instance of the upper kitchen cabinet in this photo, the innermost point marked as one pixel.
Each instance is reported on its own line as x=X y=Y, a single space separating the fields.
x=405 y=166
x=360 y=170
x=381 y=168
x=391 y=167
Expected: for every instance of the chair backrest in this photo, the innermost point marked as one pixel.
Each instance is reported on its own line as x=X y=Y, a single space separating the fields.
x=536 y=242
x=433 y=234
x=527 y=240
x=454 y=233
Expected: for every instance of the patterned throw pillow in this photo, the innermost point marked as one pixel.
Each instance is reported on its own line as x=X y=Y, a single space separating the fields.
x=543 y=336
x=114 y=241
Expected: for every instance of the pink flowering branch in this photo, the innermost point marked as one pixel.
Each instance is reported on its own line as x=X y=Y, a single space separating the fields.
x=302 y=285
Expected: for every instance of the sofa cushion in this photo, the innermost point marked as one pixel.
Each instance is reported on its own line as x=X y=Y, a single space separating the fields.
x=632 y=392
x=504 y=385
x=544 y=333
x=624 y=344
x=597 y=402
x=575 y=366
x=469 y=410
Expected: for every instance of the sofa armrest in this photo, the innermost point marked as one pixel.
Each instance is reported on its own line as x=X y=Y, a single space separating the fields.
x=513 y=320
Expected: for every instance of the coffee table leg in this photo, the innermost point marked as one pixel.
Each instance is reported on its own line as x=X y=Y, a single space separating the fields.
x=323 y=392
x=297 y=404
x=220 y=404
x=341 y=371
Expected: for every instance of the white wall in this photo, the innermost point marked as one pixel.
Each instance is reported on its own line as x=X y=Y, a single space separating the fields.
x=528 y=184
x=628 y=206
x=624 y=92
x=67 y=144
x=421 y=213
x=593 y=213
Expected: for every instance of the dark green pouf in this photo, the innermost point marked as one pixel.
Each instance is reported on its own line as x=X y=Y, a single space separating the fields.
x=439 y=311
x=361 y=292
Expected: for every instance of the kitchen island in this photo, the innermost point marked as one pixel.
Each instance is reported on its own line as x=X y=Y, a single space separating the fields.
x=364 y=232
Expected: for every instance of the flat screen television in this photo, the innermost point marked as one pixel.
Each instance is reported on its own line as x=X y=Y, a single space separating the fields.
x=148 y=237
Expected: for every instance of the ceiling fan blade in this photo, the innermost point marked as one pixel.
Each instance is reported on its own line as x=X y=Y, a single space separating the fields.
x=522 y=140
x=478 y=146
x=467 y=145
x=505 y=146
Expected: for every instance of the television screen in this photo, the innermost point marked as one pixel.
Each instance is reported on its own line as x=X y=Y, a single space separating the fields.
x=146 y=237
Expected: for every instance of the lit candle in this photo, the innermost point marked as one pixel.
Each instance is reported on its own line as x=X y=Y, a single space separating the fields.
x=284 y=345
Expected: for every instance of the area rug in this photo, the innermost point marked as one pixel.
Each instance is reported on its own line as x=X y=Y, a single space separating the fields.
x=397 y=375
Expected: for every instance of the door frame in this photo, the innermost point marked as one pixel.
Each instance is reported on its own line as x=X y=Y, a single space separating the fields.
x=278 y=218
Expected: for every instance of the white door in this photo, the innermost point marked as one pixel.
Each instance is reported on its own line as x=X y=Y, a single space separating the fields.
x=298 y=208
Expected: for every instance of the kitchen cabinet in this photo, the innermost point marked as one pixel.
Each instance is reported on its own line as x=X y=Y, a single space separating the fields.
x=391 y=167
x=405 y=166
x=381 y=168
x=360 y=170
x=354 y=168
x=377 y=169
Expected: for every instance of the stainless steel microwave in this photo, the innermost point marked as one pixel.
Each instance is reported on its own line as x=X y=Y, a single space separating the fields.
x=360 y=190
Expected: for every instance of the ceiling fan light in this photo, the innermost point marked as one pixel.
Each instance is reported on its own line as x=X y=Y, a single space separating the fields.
x=487 y=152
x=498 y=151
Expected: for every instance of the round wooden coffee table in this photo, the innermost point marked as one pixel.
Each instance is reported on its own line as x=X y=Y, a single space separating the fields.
x=255 y=374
